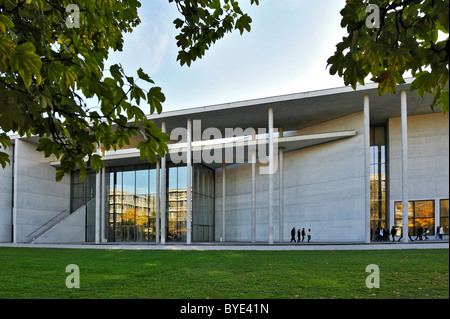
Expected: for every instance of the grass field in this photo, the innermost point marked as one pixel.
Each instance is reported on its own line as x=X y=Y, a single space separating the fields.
x=41 y=273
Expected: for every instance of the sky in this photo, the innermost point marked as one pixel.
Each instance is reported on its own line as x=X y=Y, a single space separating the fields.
x=285 y=52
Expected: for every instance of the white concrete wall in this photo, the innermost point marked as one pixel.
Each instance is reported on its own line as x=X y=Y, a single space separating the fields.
x=70 y=230
x=39 y=197
x=428 y=158
x=6 y=199
x=323 y=190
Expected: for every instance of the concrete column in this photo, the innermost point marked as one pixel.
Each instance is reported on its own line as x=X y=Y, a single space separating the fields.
x=254 y=189
x=281 y=188
x=163 y=193
x=367 y=167
x=437 y=214
x=224 y=168
x=157 y=208
x=271 y=173
x=188 y=183
x=103 y=202
x=98 y=191
x=15 y=191
x=404 y=121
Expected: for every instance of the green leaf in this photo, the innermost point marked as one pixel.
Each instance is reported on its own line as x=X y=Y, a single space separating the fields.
x=443 y=99
x=4 y=159
x=27 y=63
x=142 y=75
x=424 y=82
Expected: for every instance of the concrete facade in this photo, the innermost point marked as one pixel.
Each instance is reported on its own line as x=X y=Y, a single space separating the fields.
x=325 y=184
x=32 y=197
x=322 y=190
x=428 y=159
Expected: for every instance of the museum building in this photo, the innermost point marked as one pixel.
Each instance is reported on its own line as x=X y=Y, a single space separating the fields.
x=343 y=163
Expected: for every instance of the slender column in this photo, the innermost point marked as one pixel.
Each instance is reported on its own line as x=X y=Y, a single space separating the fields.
x=271 y=172
x=437 y=214
x=281 y=188
x=404 y=120
x=188 y=183
x=163 y=193
x=102 y=215
x=97 y=206
x=15 y=185
x=224 y=169
x=158 y=186
x=367 y=166
x=254 y=190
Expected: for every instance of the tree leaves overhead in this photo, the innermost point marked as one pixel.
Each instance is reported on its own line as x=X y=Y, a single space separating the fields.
x=52 y=60
x=204 y=22
x=407 y=40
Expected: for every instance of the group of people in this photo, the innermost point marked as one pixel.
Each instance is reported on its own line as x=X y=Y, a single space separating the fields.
x=382 y=234
x=300 y=235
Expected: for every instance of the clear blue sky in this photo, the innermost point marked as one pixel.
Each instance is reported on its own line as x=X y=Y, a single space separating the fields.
x=285 y=52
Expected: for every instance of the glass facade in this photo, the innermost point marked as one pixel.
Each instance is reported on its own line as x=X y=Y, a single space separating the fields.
x=203 y=204
x=83 y=193
x=420 y=214
x=131 y=204
x=378 y=218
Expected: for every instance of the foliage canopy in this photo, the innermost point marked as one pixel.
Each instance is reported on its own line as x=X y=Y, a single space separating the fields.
x=52 y=59
x=403 y=37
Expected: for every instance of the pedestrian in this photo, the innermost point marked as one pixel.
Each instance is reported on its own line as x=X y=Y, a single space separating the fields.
x=393 y=233
x=380 y=238
x=437 y=232
x=299 y=233
x=309 y=234
x=386 y=234
x=303 y=234
x=441 y=232
x=293 y=235
x=427 y=231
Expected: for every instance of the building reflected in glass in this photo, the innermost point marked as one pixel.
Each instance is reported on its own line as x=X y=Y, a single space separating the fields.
x=131 y=205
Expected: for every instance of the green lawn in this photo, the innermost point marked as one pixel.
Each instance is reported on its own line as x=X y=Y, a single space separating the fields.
x=40 y=273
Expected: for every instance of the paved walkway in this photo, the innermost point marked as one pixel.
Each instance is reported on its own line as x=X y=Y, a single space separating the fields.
x=432 y=244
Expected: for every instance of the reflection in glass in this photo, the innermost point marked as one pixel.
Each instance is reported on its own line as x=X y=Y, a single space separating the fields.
x=444 y=215
x=132 y=203
x=378 y=218
x=420 y=214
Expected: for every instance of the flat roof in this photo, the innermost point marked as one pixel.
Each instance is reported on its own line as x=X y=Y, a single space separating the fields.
x=300 y=110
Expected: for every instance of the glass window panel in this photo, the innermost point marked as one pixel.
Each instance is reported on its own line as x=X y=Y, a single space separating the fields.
x=173 y=178
x=444 y=220
x=444 y=207
x=182 y=178
x=424 y=209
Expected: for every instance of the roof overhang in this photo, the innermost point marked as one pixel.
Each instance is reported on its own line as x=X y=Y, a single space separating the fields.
x=298 y=111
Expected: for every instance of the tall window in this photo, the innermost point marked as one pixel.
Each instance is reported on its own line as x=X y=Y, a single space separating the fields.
x=444 y=215
x=377 y=180
x=420 y=214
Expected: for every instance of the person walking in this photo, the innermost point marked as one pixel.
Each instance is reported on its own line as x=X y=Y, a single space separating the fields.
x=299 y=233
x=293 y=235
x=303 y=234
x=441 y=232
x=386 y=234
x=393 y=233
x=309 y=235
x=426 y=232
x=437 y=232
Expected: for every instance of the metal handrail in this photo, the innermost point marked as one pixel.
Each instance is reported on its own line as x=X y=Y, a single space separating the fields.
x=46 y=224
